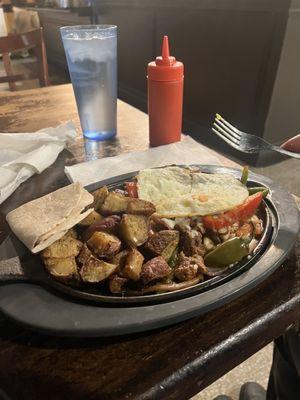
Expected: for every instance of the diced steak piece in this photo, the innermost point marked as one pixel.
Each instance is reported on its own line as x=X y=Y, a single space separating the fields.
x=192 y=243
x=163 y=243
x=154 y=269
x=157 y=224
x=188 y=267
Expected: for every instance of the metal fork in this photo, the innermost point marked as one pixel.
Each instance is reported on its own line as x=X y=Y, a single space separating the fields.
x=243 y=141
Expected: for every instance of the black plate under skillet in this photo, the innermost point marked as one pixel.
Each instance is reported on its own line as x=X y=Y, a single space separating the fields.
x=47 y=312
x=29 y=268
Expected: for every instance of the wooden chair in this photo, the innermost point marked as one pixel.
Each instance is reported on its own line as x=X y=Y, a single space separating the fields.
x=22 y=41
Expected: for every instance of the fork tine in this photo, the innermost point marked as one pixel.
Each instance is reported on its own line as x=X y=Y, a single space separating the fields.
x=228 y=130
x=232 y=144
x=233 y=128
x=224 y=133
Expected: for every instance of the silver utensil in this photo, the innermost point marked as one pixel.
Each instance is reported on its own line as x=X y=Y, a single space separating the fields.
x=243 y=141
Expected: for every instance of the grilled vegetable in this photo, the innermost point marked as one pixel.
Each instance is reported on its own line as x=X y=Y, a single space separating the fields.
x=115 y=203
x=63 y=269
x=99 y=197
x=173 y=259
x=163 y=243
x=140 y=207
x=131 y=188
x=94 y=270
x=133 y=265
x=90 y=219
x=103 y=244
x=256 y=189
x=134 y=229
x=226 y=253
x=154 y=269
x=166 y=287
x=245 y=175
x=65 y=247
x=239 y=213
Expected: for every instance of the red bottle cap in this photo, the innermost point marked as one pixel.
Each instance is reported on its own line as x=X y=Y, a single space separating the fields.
x=165 y=67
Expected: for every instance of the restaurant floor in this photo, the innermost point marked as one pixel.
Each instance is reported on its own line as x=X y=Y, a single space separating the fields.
x=256 y=369
x=285 y=171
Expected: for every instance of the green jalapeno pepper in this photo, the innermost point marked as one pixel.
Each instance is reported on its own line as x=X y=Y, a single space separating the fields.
x=245 y=174
x=257 y=189
x=226 y=253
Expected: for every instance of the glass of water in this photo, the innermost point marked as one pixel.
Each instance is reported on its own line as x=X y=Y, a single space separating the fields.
x=91 y=52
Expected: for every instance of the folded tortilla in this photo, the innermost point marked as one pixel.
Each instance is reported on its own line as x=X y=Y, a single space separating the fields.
x=42 y=221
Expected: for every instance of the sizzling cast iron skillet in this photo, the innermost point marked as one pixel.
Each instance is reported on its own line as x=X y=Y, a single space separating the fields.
x=52 y=312
x=22 y=266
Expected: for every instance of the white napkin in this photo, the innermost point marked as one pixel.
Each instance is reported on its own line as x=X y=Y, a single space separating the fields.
x=188 y=151
x=24 y=154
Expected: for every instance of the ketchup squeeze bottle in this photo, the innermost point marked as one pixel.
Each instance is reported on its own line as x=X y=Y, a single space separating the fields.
x=165 y=98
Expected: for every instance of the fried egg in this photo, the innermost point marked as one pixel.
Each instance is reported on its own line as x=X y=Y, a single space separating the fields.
x=183 y=192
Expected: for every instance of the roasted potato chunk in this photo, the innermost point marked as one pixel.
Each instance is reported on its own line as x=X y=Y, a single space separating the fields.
x=63 y=269
x=84 y=254
x=134 y=229
x=140 y=207
x=103 y=244
x=91 y=219
x=115 y=203
x=99 y=197
x=133 y=265
x=63 y=248
x=163 y=243
x=109 y=224
x=120 y=259
x=94 y=270
x=117 y=283
x=71 y=233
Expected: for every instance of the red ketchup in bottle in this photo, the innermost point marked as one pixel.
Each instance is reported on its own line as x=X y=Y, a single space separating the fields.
x=165 y=98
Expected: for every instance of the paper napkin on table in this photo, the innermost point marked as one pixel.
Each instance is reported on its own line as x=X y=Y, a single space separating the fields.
x=188 y=151
x=24 y=154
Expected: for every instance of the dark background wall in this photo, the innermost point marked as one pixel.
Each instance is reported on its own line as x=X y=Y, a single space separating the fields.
x=241 y=58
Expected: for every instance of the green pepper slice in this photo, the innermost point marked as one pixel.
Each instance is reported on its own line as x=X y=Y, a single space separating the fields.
x=257 y=189
x=245 y=175
x=173 y=259
x=226 y=253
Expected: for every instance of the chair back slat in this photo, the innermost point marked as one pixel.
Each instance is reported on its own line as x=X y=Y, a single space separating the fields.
x=33 y=39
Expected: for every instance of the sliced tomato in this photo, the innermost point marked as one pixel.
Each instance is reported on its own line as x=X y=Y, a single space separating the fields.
x=131 y=188
x=239 y=213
